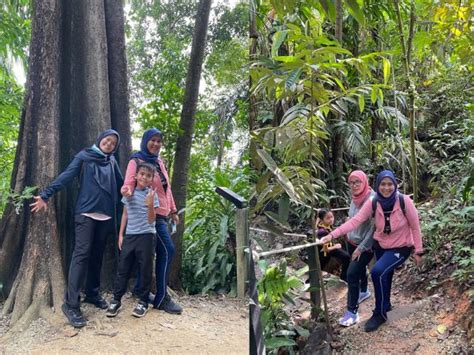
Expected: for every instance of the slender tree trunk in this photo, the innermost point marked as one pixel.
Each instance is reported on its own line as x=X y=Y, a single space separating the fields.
x=67 y=104
x=339 y=18
x=337 y=143
x=255 y=161
x=186 y=127
x=374 y=122
x=406 y=49
x=220 y=153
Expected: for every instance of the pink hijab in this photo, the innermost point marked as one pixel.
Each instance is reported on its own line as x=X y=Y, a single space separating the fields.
x=366 y=189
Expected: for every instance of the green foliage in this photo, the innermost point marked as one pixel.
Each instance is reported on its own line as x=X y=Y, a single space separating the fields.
x=15 y=32
x=274 y=292
x=10 y=103
x=306 y=76
x=18 y=199
x=209 y=239
x=14 y=37
x=448 y=224
x=464 y=258
x=158 y=51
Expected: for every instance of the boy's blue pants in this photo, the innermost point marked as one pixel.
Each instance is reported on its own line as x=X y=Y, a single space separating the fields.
x=164 y=250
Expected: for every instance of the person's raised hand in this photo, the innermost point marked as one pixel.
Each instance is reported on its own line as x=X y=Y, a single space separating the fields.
x=326 y=239
x=150 y=197
x=38 y=205
x=126 y=191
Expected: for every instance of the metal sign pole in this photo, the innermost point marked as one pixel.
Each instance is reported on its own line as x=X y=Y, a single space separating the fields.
x=242 y=236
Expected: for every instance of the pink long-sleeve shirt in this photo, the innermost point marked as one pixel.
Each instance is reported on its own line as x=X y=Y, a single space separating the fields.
x=166 y=199
x=405 y=230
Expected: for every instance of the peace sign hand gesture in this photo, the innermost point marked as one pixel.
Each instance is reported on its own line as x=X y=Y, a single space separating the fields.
x=150 y=198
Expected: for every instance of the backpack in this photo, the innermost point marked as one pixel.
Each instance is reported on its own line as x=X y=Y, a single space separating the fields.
x=401 y=198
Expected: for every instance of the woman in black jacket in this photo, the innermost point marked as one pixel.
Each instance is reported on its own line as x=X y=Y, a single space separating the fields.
x=95 y=215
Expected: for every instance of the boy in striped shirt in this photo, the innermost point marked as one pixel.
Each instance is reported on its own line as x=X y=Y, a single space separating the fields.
x=138 y=223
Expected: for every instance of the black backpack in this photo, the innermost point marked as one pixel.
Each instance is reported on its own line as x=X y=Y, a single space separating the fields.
x=401 y=198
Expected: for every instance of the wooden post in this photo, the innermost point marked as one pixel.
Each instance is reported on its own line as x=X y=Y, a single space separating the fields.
x=242 y=236
x=314 y=282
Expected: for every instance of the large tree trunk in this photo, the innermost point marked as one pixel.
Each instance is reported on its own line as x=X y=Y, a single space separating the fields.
x=72 y=93
x=186 y=128
x=118 y=79
x=40 y=276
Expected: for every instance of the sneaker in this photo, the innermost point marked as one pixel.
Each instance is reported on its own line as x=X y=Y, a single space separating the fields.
x=374 y=322
x=140 y=310
x=74 y=316
x=98 y=301
x=349 y=318
x=114 y=307
x=151 y=297
x=363 y=296
x=170 y=306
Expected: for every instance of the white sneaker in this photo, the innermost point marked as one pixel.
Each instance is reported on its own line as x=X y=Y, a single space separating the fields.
x=349 y=319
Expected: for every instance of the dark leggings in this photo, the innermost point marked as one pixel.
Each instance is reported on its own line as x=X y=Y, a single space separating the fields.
x=341 y=255
x=357 y=277
x=89 y=245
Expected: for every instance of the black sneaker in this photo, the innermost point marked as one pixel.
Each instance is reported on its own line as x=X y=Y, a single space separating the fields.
x=98 y=301
x=374 y=322
x=74 y=316
x=169 y=306
x=140 y=310
x=114 y=308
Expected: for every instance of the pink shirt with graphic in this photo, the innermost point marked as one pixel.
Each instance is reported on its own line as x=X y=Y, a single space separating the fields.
x=405 y=230
x=166 y=199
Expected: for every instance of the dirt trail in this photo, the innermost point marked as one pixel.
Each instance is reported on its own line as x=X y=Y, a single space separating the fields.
x=416 y=325
x=207 y=326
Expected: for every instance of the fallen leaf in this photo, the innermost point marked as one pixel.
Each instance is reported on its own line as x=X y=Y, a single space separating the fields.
x=70 y=333
x=441 y=329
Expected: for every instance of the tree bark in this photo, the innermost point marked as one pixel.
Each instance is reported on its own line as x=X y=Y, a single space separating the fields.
x=186 y=128
x=118 y=83
x=67 y=103
x=39 y=281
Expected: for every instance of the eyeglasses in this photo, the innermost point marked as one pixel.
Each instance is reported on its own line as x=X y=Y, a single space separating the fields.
x=355 y=183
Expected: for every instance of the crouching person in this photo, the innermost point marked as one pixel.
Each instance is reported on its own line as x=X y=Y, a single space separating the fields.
x=138 y=223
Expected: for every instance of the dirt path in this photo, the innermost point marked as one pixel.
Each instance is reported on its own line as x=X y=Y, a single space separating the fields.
x=416 y=325
x=207 y=326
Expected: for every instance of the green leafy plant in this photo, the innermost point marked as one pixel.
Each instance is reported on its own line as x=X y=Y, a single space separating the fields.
x=274 y=292
x=209 y=239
